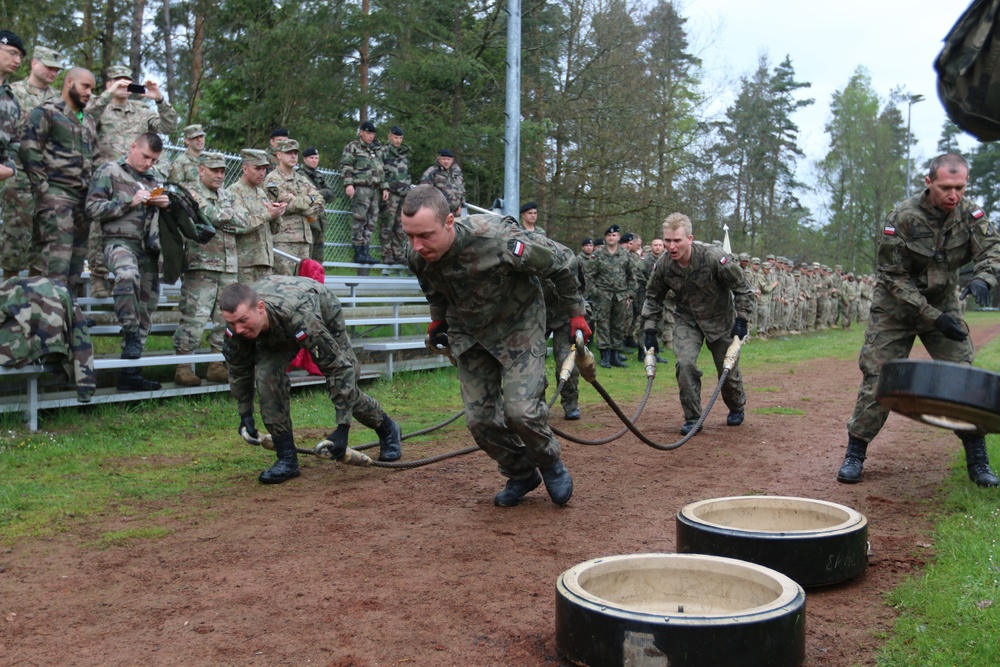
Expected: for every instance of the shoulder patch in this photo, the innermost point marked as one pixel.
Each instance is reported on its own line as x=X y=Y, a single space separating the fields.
x=516 y=247
x=889 y=230
x=300 y=336
x=978 y=213
x=722 y=260
x=230 y=333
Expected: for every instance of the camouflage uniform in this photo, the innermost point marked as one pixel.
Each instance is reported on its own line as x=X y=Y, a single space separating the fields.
x=848 y=300
x=361 y=166
x=706 y=292
x=18 y=201
x=184 y=168
x=131 y=243
x=303 y=315
x=57 y=152
x=766 y=286
x=318 y=250
x=397 y=179
x=208 y=269
x=450 y=182
x=557 y=322
x=487 y=291
x=118 y=126
x=295 y=233
x=921 y=251
x=39 y=321
x=613 y=281
x=255 y=247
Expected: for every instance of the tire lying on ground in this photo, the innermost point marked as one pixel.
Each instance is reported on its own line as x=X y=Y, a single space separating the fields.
x=814 y=542
x=679 y=610
x=941 y=393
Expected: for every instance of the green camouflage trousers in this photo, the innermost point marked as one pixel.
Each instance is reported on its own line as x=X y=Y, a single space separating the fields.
x=248 y=275
x=200 y=293
x=60 y=237
x=688 y=340
x=561 y=349
x=505 y=410
x=95 y=252
x=610 y=318
x=18 y=225
x=318 y=249
x=137 y=286
x=364 y=209
x=390 y=231
x=886 y=339
x=288 y=267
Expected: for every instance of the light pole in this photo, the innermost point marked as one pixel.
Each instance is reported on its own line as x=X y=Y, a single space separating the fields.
x=910 y=101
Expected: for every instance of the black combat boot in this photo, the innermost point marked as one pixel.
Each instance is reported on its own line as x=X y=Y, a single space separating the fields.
x=630 y=343
x=558 y=483
x=390 y=445
x=977 y=462
x=360 y=254
x=618 y=359
x=517 y=489
x=132 y=348
x=130 y=379
x=735 y=418
x=605 y=358
x=287 y=465
x=366 y=258
x=688 y=426
x=854 y=461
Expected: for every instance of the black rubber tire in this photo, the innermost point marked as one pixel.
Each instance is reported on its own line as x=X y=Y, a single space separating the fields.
x=814 y=542
x=634 y=628
x=942 y=393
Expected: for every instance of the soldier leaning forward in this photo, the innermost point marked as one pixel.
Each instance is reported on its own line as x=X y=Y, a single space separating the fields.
x=268 y=324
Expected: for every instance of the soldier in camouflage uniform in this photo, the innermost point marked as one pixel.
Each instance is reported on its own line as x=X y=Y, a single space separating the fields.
x=665 y=329
x=925 y=241
x=18 y=201
x=558 y=324
x=119 y=121
x=612 y=288
x=633 y=244
x=57 y=150
x=481 y=277
x=848 y=301
x=11 y=52
x=713 y=303
x=363 y=172
x=40 y=322
x=529 y=218
x=268 y=323
x=184 y=168
x=122 y=198
x=396 y=161
x=304 y=205
x=255 y=246
x=277 y=135
x=767 y=284
x=446 y=176
x=309 y=169
x=208 y=269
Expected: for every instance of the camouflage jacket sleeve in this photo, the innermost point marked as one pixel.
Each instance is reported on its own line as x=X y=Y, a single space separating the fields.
x=164 y=119
x=104 y=200
x=10 y=117
x=36 y=132
x=252 y=212
x=241 y=357
x=221 y=211
x=97 y=104
x=299 y=193
x=656 y=295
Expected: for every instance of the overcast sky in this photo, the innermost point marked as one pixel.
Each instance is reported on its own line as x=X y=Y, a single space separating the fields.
x=896 y=40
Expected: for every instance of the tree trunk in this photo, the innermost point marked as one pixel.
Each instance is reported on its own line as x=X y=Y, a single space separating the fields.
x=197 y=63
x=135 y=45
x=363 y=111
x=456 y=98
x=168 y=48
x=108 y=38
x=87 y=28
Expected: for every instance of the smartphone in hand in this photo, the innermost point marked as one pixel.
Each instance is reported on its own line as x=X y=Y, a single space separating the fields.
x=136 y=88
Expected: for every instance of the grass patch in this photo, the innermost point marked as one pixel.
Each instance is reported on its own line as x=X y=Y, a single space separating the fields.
x=778 y=410
x=120 y=538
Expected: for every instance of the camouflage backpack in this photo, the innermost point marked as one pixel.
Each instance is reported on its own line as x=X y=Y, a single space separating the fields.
x=968 y=70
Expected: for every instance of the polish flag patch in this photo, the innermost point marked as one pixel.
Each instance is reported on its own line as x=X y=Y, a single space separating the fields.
x=229 y=332
x=889 y=231
x=978 y=213
x=723 y=259
x=300 y=336
x=517 y=249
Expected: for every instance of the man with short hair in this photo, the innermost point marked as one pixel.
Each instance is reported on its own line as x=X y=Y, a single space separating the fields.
x=916 y=296
x=613 y=284
x=310 y=169
x=123 y=198
x=37 y=89
x=446 y=176
x=268 y=323
x=185 y=167
x=278 y=135
x=713 y=303
x=303 y=202
x=208 y=269
x=255 y=246
x=529 y=218
x=16 y=221
x=57 y=151
x=396 y=161
x=665 y=329
x=481 y=277
x=363 y=172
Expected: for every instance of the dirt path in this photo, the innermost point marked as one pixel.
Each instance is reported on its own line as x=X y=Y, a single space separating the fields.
x=351 y=567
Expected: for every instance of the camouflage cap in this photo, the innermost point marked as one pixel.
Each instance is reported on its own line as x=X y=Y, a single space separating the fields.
x=767 y=265
x=755 y=260
x=816 y=265
x=287 y=146
x=838 y=267
x=213 y=160
x=744 y=257
x=254 y=157
x=48 y=57
x=119 y=72
x=769 y=257
x=193 y=131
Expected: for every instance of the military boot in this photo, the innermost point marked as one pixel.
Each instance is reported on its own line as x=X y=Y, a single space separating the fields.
x=516 y=489
x=390 y=445
x=366 y=258
x=130 y=379
x=605 y=358
x=184 y=376
x=977 y=461
x=287 y=465
x=132 y=345
x=630 y=343
x=854 y=461
x=99 y=288
x=618 y=359
x=558 y=483
x=360 y=252
x=217 y=372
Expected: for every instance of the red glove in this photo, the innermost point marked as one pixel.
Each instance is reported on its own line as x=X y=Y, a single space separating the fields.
x=437 y=333
x=578 y=323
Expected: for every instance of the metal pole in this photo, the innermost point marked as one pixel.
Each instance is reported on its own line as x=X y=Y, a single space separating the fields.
x=512 y=131
x=910 y=101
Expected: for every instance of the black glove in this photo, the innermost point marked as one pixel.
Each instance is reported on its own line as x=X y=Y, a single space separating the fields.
x=247 y=430
x=740 y=328
x=437 y=333
x=980 y=291
x=650 y=340
x=950 y=327
x=339 y=440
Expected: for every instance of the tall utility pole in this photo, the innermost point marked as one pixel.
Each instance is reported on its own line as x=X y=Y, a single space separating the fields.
x=512 y=130
x=910 y=101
